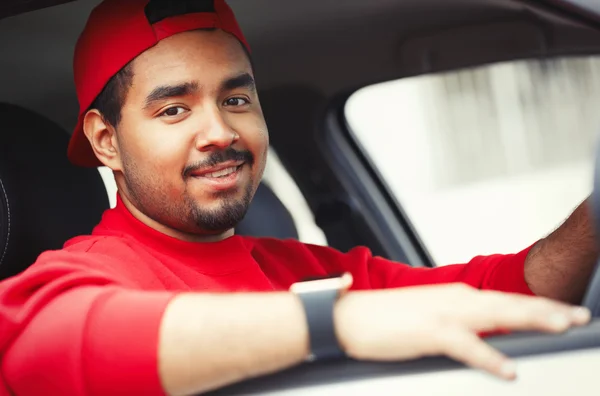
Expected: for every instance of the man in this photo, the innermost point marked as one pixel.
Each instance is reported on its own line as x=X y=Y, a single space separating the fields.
x=163 y=298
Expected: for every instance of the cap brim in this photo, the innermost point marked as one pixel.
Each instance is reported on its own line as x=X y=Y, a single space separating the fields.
x=80 y=151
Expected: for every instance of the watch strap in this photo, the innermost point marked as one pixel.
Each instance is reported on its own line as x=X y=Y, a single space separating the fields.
x=318 y=307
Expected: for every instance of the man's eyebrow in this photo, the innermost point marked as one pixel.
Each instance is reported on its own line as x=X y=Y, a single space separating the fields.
x=170 y=91
x=243 y=80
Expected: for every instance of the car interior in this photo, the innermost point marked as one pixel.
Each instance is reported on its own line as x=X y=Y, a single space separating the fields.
x=309 y=57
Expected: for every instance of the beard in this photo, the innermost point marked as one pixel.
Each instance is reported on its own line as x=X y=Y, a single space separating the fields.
x=185 y=214
x=227 y=216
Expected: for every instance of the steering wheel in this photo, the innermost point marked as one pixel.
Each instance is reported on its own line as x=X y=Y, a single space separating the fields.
x=591 y=299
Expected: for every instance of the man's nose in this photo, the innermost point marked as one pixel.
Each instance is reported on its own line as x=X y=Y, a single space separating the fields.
x=216 y=133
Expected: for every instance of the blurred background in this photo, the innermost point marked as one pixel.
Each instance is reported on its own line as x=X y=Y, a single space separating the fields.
x=484 y=160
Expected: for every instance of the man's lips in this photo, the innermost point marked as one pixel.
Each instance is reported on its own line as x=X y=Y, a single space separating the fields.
x=221 y=170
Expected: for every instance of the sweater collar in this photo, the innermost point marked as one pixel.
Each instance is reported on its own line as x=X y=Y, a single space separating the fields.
x=226 y=256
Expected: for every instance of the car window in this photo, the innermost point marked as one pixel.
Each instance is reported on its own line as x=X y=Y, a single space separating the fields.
x=488 y=159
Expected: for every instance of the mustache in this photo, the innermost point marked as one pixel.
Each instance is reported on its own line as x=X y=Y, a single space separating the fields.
x=218 y=157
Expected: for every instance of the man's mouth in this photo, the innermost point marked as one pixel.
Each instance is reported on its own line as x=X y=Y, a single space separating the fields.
x=219 y=171
x=223 y=173
x=221 y=177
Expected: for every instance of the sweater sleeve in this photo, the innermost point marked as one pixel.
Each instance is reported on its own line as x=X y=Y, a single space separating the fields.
x=70 y=329
x=500 y=272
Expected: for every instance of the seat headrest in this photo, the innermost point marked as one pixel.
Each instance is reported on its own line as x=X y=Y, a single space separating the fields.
x=267 y=217
x=44 y=199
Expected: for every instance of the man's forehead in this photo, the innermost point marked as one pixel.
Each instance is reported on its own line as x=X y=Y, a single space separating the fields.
x=194 y=49
x=207 y=59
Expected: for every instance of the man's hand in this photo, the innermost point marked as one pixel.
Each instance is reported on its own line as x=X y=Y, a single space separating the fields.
x=560 y=266
x=208 y=340
x=423 y=321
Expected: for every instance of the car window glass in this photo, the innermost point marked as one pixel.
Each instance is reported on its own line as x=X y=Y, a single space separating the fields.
x=487 y=159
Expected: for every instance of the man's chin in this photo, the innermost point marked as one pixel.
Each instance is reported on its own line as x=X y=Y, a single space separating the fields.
x=231 y=194
x=222 y=218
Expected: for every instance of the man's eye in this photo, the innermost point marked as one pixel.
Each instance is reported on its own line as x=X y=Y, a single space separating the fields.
x=173 y=111
x=236 y=102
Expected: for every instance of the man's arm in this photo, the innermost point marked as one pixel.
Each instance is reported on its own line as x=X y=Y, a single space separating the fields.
x=560 y=265
x=72 y=329
x=83 y=334
x=209 y=341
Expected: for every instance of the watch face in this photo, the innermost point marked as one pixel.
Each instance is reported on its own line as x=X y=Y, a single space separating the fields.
x=330 y=282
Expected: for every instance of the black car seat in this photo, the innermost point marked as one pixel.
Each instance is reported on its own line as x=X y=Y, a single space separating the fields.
x=45 y=200
x=267 y=217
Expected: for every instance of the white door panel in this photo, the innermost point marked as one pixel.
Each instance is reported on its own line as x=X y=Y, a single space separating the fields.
x=558 y=374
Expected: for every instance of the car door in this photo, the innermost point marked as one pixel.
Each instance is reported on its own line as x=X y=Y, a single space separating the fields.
x=493 y=159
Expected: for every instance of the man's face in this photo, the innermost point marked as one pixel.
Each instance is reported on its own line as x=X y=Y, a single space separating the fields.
x=192 y=139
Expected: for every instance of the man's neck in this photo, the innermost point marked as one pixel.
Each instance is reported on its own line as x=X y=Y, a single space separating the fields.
x=184 y=236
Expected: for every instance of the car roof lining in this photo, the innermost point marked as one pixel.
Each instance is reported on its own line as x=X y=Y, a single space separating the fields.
x=15 y=7
x=329 y=49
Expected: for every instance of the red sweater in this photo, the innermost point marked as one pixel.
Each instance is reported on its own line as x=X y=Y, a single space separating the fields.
x=84 y=320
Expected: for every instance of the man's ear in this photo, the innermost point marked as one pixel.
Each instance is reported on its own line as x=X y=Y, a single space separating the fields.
x=103 y=139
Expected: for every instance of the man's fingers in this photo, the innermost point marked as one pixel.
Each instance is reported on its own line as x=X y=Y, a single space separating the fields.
x=498 y=311
x=468 y=348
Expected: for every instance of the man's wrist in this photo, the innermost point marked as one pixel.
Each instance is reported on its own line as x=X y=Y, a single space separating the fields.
x=319 y=298
x=342 y=321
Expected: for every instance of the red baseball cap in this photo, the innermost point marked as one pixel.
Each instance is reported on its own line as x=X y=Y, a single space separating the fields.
x=117 y=31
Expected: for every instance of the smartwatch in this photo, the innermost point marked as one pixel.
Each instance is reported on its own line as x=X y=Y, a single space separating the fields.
x=318 y=296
